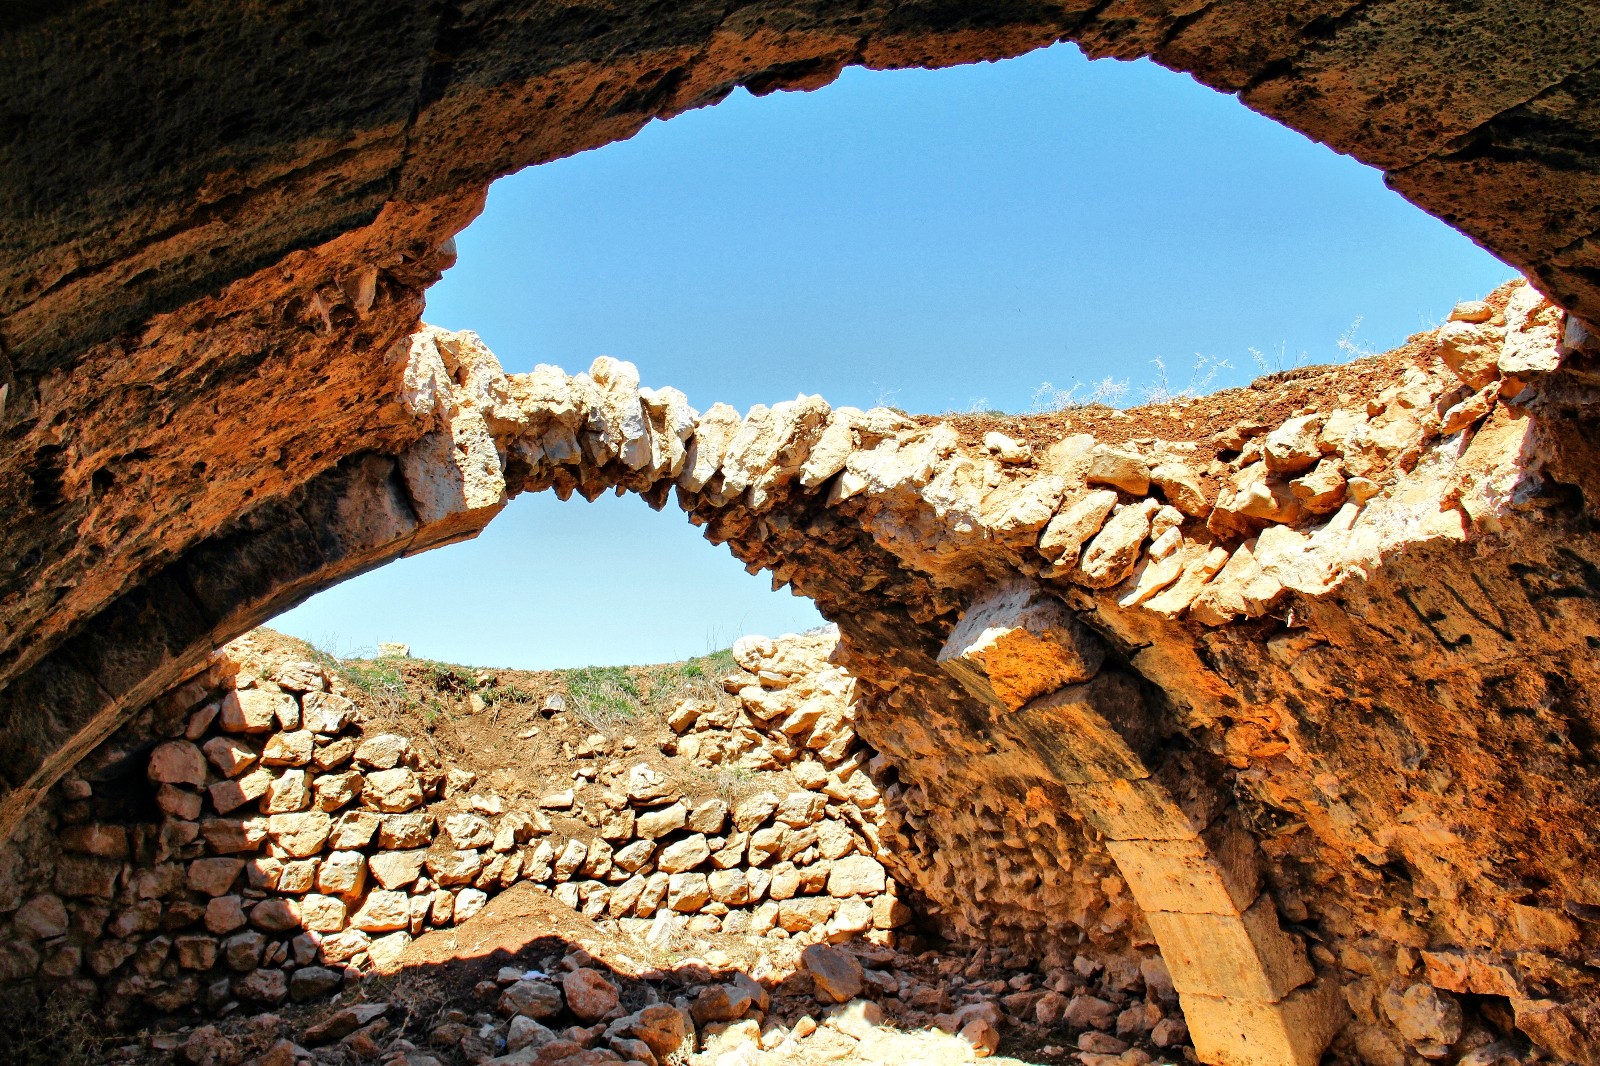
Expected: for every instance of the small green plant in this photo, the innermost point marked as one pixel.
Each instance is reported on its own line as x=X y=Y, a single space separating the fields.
x=603 y=696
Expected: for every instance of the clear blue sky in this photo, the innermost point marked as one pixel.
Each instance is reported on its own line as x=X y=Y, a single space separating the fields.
x=934 y=240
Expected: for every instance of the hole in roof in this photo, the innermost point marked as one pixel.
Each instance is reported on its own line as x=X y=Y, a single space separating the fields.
x=1011 y=236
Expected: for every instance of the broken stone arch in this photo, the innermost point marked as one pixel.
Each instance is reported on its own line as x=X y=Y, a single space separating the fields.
x=1370 y=619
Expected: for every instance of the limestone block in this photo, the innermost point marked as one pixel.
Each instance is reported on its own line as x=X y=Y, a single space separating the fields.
x=753 y=810
x=325 y=713
x=336 y=790
x=451 y=867
x=729 y=886
x=230 y=755
x=454 y=479
x=634 y=856
x=647 y=786
x=289 y=792
x=323 y=914
x=590 y=995
x=396 y=869
x=765 y=843
x=45 y=916
x=343 y=873
x=335 y=754
x=531 y=999
x=837 y=976
x=386 y=952
x=382 y=752
x=1063 y=539
x=1293 y=447
x=276 y=915
x=214 y=877
x=393 y=791
x=224 y=914
x=688 y=892
x=254 y=710
x=300 y=835
x=801 y=809
x=1017 y=642
x=468 y=831
x=1112 y=554
x=705 y=450
x=804 y=913
x=1181 y=487
x=383 y=911
x=1231 y=956
x=179 y=802
x=230 y=795
x=684 y=855
x=709 y=817
x=469 y=901
x=292 y=748
x=227 y=836
x=177 y=762
x=1292 y=1032
x=617 y=419
x=856 y=875
x=1118 y=468
x=652 y=825
x=835 y=839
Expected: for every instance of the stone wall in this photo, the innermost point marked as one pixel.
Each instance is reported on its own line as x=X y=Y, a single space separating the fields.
x=247 y=838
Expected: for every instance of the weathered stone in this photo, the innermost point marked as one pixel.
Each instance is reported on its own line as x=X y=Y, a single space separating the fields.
x=837 y=975
x=343 y=873
x=300 y=835
x=684 y=855
x=590 y=995
x=287 y=793
x=382 y=912
x=856 y=875
x=1015 y=643
x=44 y=916
x=393 y=791
x=687 y=893
x=177 y=762
x=382 y=752
x=396 y=869
x=254 y=710
x=532 y=999
x=292 y=748
x=655 y=824
x=229 y=756
x=214 y=877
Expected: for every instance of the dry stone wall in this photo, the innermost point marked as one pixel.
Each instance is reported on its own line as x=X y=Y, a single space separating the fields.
x=248 y=839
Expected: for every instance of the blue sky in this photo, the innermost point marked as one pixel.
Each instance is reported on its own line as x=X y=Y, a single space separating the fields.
x=933 y=240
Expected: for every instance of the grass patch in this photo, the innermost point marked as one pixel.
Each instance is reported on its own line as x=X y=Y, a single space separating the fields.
x=603 y=696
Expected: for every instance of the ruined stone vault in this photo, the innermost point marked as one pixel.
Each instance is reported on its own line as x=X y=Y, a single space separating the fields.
x=1332 y=661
